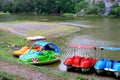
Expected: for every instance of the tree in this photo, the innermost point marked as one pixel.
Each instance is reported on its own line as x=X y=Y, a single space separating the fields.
x=81 y=5
x=7 y=7
x=96 y=8
x=40 y=6
x=115 y=11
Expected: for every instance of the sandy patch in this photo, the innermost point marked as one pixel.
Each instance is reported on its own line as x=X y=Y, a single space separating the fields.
x=38 y=28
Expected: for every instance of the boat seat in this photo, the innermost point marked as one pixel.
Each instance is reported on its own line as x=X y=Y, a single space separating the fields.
x=118 y=61
x=109 y=64
x=76 y=61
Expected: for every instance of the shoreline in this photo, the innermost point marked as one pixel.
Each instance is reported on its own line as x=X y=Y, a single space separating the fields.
x=54 y=30
x=13 y=68
x=47 y=29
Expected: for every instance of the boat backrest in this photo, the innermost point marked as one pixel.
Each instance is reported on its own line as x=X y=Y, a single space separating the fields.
x=109 y=64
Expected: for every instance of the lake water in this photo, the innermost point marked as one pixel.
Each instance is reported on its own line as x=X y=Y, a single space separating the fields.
x=97 y=32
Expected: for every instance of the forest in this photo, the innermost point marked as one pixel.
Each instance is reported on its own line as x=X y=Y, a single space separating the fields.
x=47 y=7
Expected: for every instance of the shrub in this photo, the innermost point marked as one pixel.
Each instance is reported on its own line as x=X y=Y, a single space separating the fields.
x=68 y=14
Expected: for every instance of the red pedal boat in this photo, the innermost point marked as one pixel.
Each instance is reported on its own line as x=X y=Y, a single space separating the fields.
x=79 y=62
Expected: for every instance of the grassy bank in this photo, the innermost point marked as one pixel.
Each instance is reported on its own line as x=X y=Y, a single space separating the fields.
x=8 y=42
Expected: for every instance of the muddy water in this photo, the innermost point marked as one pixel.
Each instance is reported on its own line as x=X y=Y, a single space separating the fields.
x=95 y=31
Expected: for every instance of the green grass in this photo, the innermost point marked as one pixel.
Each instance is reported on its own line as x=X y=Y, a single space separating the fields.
x=7 y=13
x=8 y=42
x=7 y=76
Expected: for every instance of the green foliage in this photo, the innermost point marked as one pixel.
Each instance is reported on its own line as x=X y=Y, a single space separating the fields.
x=115 y=11
x=40 y=6
x=96 y=8
x=93 y=10
x=7 y=13
x=101 y=7
x=81 y=5
x=7 y=7
x=80 y=78
x=92 y=79
x=7 y=43
x=115 y=4
x=68 y=14
x=55 y=7
x=1 y=4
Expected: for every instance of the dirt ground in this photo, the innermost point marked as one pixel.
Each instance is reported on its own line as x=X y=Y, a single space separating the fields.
x=23 y=71
x=47 y=29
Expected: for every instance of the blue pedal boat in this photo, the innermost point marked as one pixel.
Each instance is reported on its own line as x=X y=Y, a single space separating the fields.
x=104 y=64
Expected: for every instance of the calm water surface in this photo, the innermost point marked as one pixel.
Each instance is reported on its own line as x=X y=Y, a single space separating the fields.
x=94 y=31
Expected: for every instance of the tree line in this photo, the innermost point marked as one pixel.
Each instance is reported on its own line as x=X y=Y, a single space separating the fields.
x=40 y=6
x=55 y=7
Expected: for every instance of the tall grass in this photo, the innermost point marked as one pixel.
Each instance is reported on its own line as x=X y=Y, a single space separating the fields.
x=7 y=43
